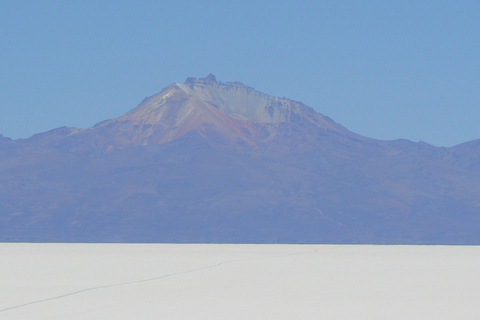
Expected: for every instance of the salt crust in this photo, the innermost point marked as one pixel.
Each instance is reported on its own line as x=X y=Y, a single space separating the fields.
x=210 y=281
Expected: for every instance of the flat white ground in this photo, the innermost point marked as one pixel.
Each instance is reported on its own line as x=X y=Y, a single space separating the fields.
x=204 y=281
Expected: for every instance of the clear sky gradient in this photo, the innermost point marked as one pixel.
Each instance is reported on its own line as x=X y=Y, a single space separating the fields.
x=383 y=69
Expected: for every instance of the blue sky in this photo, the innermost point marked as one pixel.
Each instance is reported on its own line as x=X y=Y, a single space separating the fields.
x=383 y=69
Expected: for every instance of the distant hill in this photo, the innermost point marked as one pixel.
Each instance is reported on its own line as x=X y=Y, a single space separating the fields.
x=206 y=161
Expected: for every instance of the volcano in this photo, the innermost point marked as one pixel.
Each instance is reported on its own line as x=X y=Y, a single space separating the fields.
x=228 y=113
x=206 y=161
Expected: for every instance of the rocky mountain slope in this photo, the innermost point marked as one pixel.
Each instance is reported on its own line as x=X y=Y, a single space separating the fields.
x=206 y=161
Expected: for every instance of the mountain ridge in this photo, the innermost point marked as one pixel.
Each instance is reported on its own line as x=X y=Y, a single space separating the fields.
x=206 y=161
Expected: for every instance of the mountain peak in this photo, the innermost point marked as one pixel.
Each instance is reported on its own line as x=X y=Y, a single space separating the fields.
x=229 y=110
x=210 y=79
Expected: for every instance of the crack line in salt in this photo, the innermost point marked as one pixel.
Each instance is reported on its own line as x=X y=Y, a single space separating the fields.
x=144 y=280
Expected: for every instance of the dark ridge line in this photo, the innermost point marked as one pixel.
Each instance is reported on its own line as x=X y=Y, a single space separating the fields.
x=144 y=280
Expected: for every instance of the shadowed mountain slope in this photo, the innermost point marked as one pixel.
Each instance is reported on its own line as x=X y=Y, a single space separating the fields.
x=206 y=161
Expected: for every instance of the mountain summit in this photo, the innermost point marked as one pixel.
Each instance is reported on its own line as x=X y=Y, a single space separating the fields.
x=206 y=161
x=230 y=112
